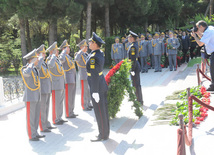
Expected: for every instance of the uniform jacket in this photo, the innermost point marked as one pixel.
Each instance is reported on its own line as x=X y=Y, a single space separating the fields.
x=149 y=45
x=94 y=67
x=56 y=72
x=117 y=51
x=80 y=59
x=69 y=67
x=133 y=55
x=31 y=78
x=143 y=48
x=192 y=42
x=174 y=43
x=157 y=46
x=45 y=78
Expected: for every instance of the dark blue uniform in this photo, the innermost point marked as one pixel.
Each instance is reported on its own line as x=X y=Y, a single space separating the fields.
x=133 y=55
x=97 y=84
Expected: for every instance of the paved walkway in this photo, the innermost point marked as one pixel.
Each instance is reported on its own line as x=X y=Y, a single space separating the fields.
x=128 y=135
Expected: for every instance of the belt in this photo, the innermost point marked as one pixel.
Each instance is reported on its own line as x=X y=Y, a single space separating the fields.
x=131 y=60
x=89 y=74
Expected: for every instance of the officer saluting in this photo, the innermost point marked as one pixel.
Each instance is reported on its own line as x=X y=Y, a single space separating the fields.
x=58 y=84
x=70 y=82
x=98 y=86
x=135 y=70
x=80 y=58
x=32 y=94
x=45 y=80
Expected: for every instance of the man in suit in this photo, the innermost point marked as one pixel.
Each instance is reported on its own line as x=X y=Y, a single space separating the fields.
x=80 y=58
x=45 y=80
x=98 y=86
x=135 y=70
x=185 y=46
x=171 y=50
x=117 y=51
x=70 y=79
x=32 y=94
x=157 y=46
x=143 y=53
x=58 y=83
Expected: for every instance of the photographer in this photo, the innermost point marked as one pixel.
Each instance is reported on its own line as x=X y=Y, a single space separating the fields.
x=206 y=33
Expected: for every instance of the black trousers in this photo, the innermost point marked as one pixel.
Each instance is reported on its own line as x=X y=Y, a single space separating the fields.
x=136 y=84
x=101 y=114
x=191 y=52
x=212 y=69
x=185 y=57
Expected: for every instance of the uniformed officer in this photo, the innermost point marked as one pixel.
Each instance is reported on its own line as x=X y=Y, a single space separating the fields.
x=32 y=94
x=58 y=83
x=70 y=79
x=157 y=46
x=172 y=46
x=127 y=44
x=98 y=86
x=80 y=58
x=150 y=51
x=45 y=80
x=117 y=51
x=143 y=53
x=163 y=37
x=135 y=70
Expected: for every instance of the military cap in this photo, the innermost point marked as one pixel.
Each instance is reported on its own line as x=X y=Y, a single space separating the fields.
x=149 y=35
x=170 y=32
x=162 y=33
x=52 y=47
x=41 y=49
x=133 y=34
x=117 y=38
x=123 y=37
x=157 y=34
x=31 y=55
x=82 y=43
x=64 y=44
x=95 y=38
x=142 y=35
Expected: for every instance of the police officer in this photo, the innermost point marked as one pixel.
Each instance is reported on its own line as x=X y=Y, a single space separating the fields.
x=70 y=79
x=143 y=53
x=58 y=83
x=150 y=52
x=172 y=46
x=32 y=94
x=117 y=51
x=135 y=70
x=98 y=86
x=157 y=46
x=80 y=58
x=45 y=80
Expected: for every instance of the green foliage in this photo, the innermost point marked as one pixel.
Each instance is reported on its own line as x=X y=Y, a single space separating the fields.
x=182 y=106
x=119 y=86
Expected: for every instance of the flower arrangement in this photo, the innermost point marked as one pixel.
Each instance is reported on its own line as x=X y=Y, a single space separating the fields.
x=199 y=112
x=194 y=52
x=188 y=53
x=180 y=55
x=169 y=46
x=119 y=86
x=162 y=61
x=148 y=61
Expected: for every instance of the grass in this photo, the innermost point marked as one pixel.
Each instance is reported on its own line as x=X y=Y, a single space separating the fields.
x=192 y=62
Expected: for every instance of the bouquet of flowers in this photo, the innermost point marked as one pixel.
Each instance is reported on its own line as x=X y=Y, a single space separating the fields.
x=169 y=46
x=180 y=55
x=162 y=61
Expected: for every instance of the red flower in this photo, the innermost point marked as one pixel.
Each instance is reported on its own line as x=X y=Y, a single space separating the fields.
x=197 y=122
x=162 y=65
x=206 y=94
x=112 y=72
x=203 y=90
x=202 y=118
x=198 y=118
x=148 y=63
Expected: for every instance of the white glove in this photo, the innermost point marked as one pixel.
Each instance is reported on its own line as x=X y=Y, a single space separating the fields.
x=40 y=58
x=96 y=97
x=132 y=73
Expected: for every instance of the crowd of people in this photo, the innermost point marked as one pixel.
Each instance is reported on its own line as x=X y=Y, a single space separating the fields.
x=158 y=50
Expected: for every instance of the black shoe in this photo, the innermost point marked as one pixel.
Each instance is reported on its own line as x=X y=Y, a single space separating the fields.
x=63 y=121
x=52 y=127
x=170 y=69
x=210 y=89
x=91 y=107
x=72 y=116
x=58 y=123
x=156 y=71
x=40 y=136
x=175 y=69
x=34 y=139
x=160 y=70
x=97 y=139
x=46 y=130
x=87 y=109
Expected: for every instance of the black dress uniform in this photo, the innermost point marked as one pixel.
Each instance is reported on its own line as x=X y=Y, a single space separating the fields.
x=97 y=84
x=133 y=55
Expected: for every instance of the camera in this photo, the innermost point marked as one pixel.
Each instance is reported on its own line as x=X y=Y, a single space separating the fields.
x=194 y=29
